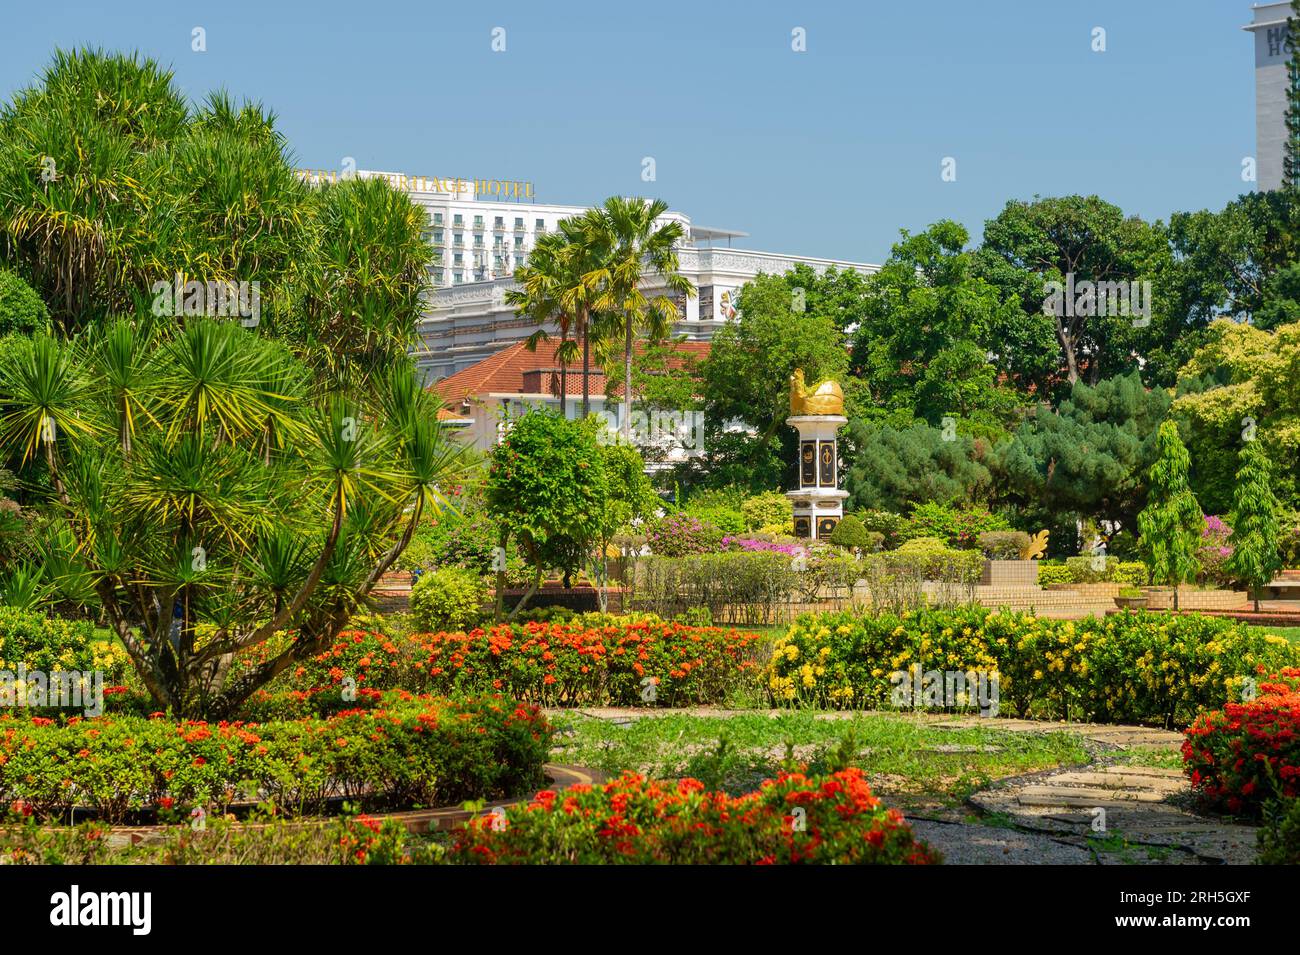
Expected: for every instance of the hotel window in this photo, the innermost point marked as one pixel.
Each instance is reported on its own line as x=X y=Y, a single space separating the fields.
x=458 y=221
x=458 y=239
x=478 y=222
x=437 y=218
x=497 y=242
x=458 y=278
x=499 y=223
x=519 y=223
x=519 y=243
x=458 y=258
x=540 y=225
x=478 y=241
x=437 y=236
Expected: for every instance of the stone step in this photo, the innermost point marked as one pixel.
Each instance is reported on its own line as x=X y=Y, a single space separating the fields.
x=1118 y=781
x=1084 y=798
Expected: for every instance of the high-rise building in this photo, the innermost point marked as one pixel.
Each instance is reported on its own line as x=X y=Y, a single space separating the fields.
x=1272 y=50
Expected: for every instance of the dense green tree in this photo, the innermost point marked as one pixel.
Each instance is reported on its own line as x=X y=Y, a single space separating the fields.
x=547 y=487
x=746 y=379
x=1241 y=380
x=1255 y=526
x=1050 y=240
x=1171 y=523
x=934 y=337
x=1291 y=152
x=895 y=468
x=1089 y=458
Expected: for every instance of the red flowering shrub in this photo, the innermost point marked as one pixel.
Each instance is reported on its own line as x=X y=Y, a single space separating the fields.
x=371 y=660
x=792 y=819
x=405 y=751
x=1245 y=754
x=632 y=664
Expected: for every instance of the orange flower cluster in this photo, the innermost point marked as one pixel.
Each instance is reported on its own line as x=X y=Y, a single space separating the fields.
x=794 y=819
x=554 y=664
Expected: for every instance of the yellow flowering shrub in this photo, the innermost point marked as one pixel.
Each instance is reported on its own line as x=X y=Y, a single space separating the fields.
x=1132 y=667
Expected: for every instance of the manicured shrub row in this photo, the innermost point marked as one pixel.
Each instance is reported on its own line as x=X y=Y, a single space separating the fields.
x=1126 y=668
x=406 y=751
x=1246 y=754
x=649 y=662
x=792 y=819
x=1091 y=570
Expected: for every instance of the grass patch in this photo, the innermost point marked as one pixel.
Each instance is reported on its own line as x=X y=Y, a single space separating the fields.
x=902 y=756
x=1290 y=633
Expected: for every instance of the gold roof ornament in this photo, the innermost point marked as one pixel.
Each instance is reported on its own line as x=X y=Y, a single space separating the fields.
x=825 y=399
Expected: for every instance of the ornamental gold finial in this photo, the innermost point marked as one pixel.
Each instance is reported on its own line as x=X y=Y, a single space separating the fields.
x=825 y=399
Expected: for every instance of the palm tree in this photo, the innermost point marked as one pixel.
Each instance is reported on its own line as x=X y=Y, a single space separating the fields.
x=632 y=245
x=541 y=284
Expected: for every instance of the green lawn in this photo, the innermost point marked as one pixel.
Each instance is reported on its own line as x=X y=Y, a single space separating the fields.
x=903 y=757
x=1291 y=633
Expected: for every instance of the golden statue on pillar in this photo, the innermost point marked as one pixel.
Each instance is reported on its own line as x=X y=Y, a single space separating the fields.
x=826 y=398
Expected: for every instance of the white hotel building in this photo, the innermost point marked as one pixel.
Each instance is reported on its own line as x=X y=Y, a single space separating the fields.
x=482 y=230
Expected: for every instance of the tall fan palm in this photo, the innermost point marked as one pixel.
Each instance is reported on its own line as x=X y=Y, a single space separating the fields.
x=634 y=247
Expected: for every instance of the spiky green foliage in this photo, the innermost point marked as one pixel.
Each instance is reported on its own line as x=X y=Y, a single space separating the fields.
x=1255 y=527
x=1170 y=525
x=226 y=521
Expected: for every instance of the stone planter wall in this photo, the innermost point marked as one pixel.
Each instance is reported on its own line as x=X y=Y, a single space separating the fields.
x=1010 y=573
x=1163 y=599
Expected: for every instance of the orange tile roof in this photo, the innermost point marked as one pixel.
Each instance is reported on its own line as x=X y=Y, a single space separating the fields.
x=516 y=370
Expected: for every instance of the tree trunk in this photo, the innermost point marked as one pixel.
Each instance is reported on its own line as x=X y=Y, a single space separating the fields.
x=586 y=370
x=627 y=382
x=564 y=379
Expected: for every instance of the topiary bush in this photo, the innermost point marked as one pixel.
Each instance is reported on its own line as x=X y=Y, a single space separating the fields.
x=449 y=598
x=851 y=534
x=1003 y=545
x=956 y=526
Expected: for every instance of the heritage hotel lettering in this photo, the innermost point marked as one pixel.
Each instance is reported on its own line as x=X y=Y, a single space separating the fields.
x=502 y=188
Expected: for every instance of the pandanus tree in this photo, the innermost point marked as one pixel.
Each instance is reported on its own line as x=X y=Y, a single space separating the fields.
x=228 y=516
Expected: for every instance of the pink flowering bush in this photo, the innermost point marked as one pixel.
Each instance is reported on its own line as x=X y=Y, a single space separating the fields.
x=1214 y=551
x=680 y=535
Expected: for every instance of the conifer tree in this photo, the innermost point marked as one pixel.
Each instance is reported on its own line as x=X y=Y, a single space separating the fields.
x=1171 y=523
x=1254 y=539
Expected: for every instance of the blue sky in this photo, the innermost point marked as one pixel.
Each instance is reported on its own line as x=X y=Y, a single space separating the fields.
x=828 y=152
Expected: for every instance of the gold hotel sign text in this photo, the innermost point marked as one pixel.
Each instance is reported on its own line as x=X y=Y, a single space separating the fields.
x=503 y=188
